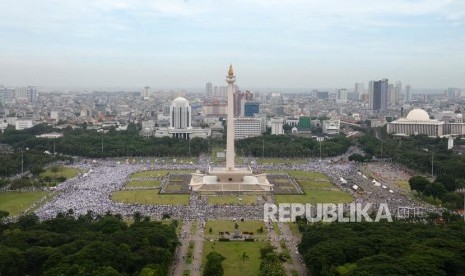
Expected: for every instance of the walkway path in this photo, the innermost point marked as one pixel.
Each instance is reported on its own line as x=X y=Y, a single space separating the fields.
x=181 y=251
x=291 y=244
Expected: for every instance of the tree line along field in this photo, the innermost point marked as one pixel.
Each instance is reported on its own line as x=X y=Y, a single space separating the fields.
x=87 y=245
x=397 y=248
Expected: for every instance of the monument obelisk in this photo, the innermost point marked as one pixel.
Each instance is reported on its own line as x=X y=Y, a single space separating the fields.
x=229 y=177
x=230 y=79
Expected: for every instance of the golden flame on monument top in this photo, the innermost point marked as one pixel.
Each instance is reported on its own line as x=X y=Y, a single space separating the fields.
x=231 y=71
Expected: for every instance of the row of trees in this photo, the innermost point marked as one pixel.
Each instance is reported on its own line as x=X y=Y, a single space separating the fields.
x=395 y=248
x=88 y=245
x=442 y=188
x=291 y=146
x=419 y=152
x=271 y=264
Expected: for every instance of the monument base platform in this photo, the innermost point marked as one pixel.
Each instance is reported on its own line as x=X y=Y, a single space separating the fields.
x=235 y=179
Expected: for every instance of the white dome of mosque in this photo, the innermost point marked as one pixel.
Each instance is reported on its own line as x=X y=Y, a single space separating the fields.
x=180 y=101
x=418 y=114
x=459 y=116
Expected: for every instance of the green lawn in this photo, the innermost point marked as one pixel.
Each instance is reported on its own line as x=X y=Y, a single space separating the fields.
x=149 y=174
x=150 y=197
x=317 y=188
x=316 y=196
x=62 y=171
x=308 y=175
x=403 y=184
x=143 y=183
x=233 y=200
x=267 y=160
x=228 y=225
x=233 y=264
x=17 y=202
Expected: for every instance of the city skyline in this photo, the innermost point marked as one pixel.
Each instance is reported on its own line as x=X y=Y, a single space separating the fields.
x=273 y=44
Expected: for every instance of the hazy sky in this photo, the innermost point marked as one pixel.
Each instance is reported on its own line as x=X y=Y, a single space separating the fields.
x=271 y=43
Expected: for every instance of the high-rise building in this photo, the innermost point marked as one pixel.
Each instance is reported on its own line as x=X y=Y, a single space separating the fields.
x=277 y=126
x=251 y=108
x=408 y=93
x=32 y=95
x=398 y=90
x=391 y=94
x=146 y=92
x=238 y=99
x=359 y=90
x=21 y=94
x=378 y=97
x=341 y=96
x=180 y=112
x=247 y=127
x=209 y=89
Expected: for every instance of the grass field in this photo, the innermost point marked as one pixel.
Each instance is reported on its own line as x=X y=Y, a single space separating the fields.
x=316 y=196
x=17 y=202
x=143 y=183
x=232 y=200
x=267 y=160
x=317 y=188
x=403 y=184
x=149 y=197
x=228 y=225
x=63 y=171
x=149 y=174
x=233 y=251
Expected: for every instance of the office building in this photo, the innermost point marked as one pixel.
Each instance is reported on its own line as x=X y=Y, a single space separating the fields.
x=180 y=112
x=378 y=97
x=277 y=126
x=251 y=108
x=341 y=96
x=247 y=127
x=208 y=89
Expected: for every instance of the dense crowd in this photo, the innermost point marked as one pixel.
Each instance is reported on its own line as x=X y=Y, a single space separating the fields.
x=93 y=188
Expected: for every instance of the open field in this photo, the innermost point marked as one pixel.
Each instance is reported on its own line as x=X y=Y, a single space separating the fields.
x=316 y=196
x=150 y=197
x=17 y=202
x=233 y=251
x=267 y=160
x=62 y=171
x=143 y=183
x=149 y=174
x=403 y=184
x=317 y=188
x=308 y=175
x=156 y=173
x=228 y=225
x=232 y=200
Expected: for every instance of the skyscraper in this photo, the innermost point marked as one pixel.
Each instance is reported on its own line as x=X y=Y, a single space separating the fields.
x=32 y=94
x=209 y=89
x=341 y=96
x=251 y=108
x=359 y=91
x=408 y=93
x=378 y=97
x=180 y=112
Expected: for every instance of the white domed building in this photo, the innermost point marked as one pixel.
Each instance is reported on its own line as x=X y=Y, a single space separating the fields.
x=418 y=122
x=181 y=122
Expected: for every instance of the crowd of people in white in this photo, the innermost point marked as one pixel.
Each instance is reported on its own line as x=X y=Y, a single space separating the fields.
x=98 y=180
